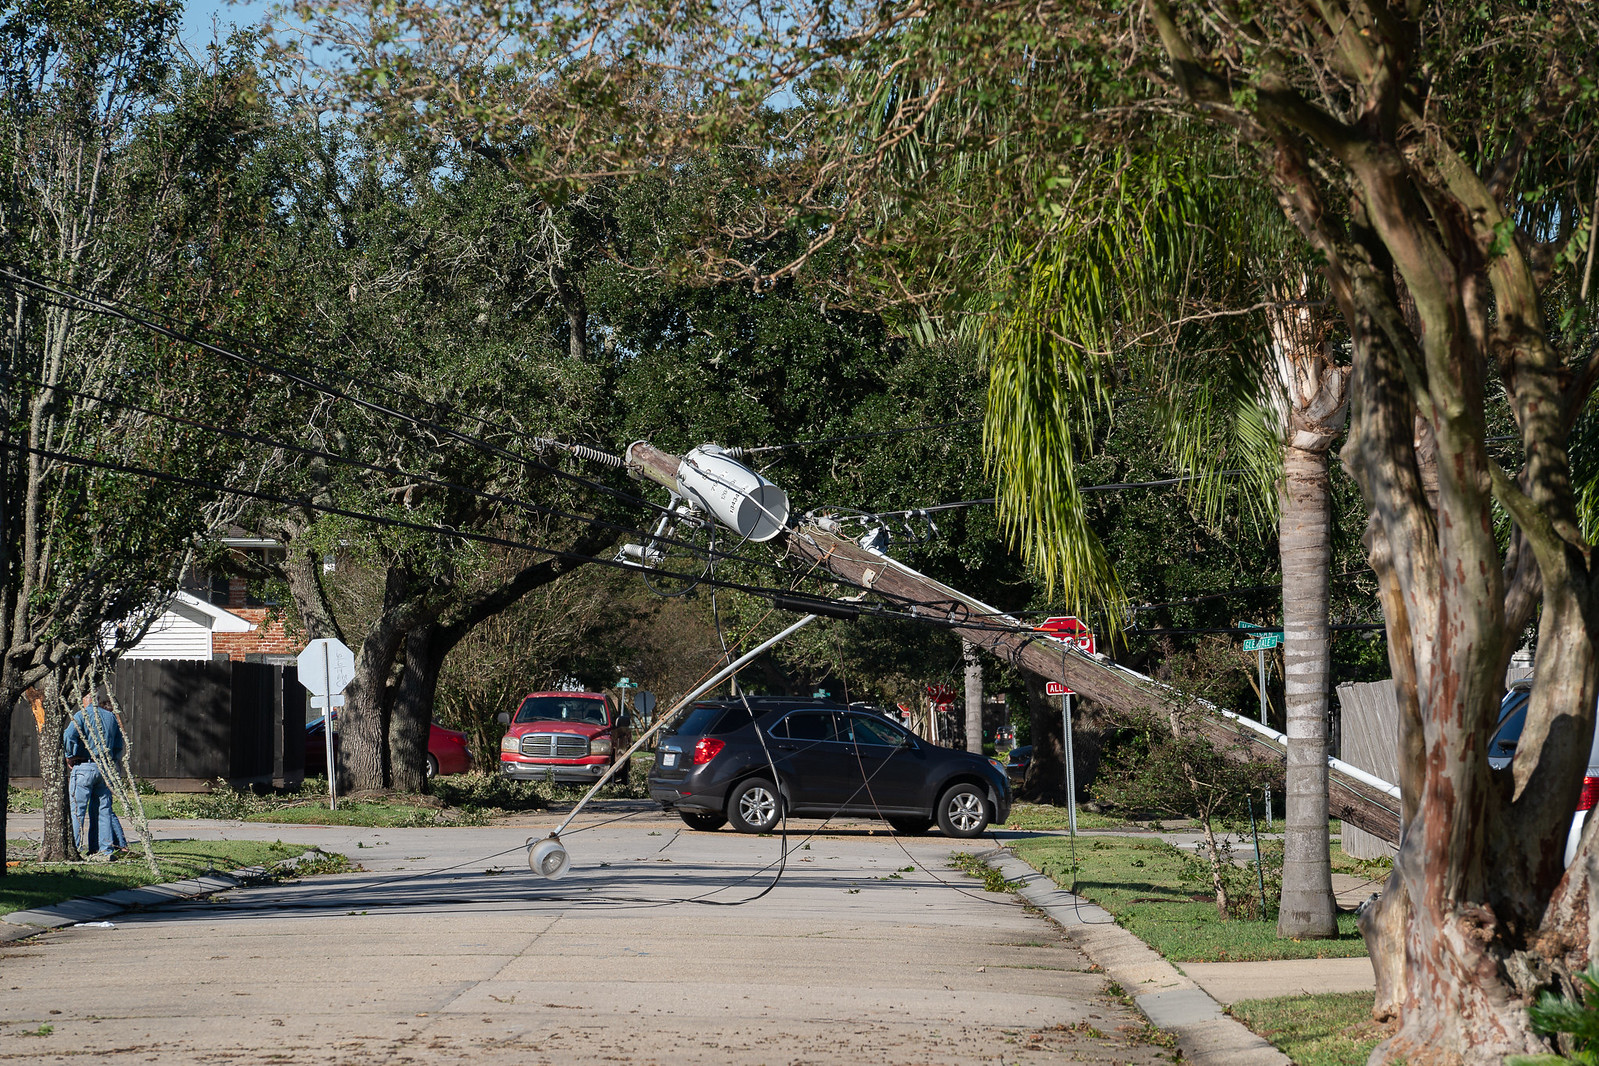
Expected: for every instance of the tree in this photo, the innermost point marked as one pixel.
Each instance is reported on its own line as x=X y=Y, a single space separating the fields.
x=1441 y=155
x=1310 y=394
x=120 y=180
x=1391 y=141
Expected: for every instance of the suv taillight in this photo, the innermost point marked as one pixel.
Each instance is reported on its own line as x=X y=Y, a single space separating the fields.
x=709 y=748
x=1590 y=794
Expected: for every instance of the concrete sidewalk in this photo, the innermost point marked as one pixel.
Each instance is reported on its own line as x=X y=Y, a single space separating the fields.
x=1229 y=982
x=1168 y=998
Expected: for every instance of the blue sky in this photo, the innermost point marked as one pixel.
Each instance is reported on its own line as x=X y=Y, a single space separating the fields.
x=198 y=16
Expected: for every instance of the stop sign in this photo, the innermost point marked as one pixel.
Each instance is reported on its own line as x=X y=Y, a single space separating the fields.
x=1068 y=630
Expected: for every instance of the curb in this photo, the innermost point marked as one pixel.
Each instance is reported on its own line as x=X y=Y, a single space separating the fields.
x=1167 y=997
x=19 y=925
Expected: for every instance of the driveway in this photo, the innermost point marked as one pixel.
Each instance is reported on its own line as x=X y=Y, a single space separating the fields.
x=663 y=945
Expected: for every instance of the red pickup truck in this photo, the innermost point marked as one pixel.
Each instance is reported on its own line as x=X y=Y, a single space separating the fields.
x=567 y=737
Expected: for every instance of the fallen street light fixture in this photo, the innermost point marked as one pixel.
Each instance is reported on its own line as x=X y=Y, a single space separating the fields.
x=548 y=858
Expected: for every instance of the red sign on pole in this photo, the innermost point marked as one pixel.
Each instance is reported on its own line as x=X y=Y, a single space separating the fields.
x=1068 y=630
x=941 y=695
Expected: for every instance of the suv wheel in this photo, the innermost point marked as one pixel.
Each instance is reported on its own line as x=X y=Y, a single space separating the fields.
x=755 y=806
x=911 y=827
x=704 y=821
x=962 y=811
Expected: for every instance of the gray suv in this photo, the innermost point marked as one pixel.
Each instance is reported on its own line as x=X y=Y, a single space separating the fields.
x=749 y=765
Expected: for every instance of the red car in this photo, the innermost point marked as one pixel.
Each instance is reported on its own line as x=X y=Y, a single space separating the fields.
x=447 y=750
x=570 y=737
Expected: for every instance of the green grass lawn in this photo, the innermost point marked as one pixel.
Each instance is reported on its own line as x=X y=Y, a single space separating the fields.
x=1040 y=817
x=31 y=884
x=1332 y=1029
x=1158 y=893
x=460 y=799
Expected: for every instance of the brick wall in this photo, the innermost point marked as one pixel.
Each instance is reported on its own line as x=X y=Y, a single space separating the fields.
x=265 y=639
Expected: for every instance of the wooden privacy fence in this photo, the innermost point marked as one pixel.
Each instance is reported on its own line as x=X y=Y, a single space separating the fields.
x=191 y=723
x=1369 y=715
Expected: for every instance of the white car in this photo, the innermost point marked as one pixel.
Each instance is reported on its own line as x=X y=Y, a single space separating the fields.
x=1502 y=749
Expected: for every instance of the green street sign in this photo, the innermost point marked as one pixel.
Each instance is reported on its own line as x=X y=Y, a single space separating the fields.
x=1264 y=642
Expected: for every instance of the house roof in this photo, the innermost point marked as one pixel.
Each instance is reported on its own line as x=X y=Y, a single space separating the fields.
x=216 y=619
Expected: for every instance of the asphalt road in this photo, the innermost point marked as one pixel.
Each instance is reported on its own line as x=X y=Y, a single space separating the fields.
x=662 y=945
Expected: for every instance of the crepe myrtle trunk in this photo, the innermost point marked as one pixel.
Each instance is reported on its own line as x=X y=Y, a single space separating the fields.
x=1478 y=916
x=1307 y=908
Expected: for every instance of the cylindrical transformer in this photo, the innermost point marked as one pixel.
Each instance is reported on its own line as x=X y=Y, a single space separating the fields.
x=739 y=498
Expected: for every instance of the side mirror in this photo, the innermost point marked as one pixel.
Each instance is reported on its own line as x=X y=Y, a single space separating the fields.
x=504 y=718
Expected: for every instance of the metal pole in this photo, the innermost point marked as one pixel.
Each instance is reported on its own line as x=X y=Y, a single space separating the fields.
x=1071 y=762
x=716 y=679
x=327 y=727
x=1260 y=870
x=1260 y=656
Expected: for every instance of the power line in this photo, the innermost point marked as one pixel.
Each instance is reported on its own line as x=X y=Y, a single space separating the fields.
x=270 y=442
x=1118 y=486
x=766 y=592
x=1343 y=627
x=119 y=309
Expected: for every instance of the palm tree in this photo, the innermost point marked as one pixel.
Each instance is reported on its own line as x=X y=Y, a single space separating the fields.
x=1310 y=394
x=1123 y=295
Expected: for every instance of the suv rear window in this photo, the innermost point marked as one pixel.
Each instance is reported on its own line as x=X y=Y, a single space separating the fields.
x=708 y=719
x=562 y=709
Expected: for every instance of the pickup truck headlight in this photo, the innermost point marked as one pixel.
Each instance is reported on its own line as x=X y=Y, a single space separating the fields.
x=600 y=746
x=510 y=743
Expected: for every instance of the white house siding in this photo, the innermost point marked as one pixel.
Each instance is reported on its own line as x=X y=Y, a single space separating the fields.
x=172 y=636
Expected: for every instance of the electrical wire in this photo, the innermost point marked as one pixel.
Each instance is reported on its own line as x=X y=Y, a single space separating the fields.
x=577 y=450
x=119 y=309
x=311 y=505
x=317 y=453
x=990 y=501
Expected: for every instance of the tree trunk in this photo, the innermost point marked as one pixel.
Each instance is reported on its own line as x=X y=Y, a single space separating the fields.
x=60 y=835
x=1308 y=908
x=412 y=715
x=1046 y=771
x=974 y=697
x=363 y=735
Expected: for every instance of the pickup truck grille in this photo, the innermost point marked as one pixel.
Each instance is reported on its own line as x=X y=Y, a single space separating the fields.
x=555 y=745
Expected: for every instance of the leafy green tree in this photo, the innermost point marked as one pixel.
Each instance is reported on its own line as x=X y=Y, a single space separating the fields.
x=1436 y=156
x=421 y=279
x=120 y=179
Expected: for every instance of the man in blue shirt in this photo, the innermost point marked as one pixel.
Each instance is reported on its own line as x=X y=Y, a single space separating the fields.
x=94 y=739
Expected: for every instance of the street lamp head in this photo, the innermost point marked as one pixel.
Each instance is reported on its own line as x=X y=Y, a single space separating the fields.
x=549 y=859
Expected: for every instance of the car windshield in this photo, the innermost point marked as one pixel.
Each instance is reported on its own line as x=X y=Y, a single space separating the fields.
x=562 y=709
x=875 y=731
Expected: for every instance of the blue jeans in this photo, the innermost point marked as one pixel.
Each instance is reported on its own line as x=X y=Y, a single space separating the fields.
x=90 y=794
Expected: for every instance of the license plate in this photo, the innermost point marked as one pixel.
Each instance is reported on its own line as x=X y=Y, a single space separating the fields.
x=669 y=758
